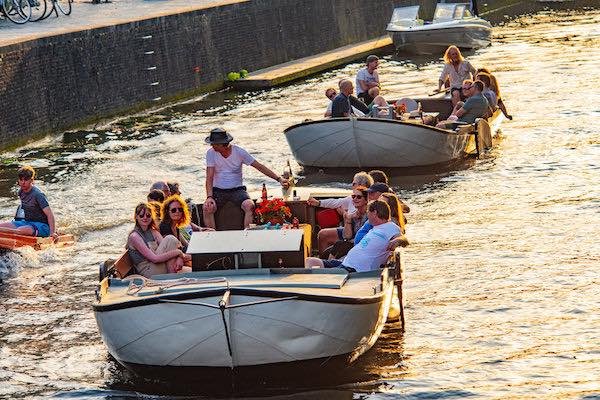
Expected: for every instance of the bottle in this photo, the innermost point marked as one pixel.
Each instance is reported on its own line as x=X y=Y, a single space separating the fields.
x=420 y=110
x=264 y=193
x=296 y=197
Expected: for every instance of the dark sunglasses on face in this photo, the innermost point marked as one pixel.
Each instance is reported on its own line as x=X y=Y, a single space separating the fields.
x=175 y=209
x=357 y=196
x=144 y=215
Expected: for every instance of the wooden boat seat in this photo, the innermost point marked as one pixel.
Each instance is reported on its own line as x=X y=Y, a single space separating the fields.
x=227 y=218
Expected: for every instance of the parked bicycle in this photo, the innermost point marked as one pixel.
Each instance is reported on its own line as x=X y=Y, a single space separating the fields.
x=65 y=7
x=18 y=11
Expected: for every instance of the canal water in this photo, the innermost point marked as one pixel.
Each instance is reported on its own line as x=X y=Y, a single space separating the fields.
x=502 y=282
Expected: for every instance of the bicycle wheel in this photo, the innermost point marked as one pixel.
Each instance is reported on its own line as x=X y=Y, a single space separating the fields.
x=18 y=11
x=38 y=9
x=64 y=6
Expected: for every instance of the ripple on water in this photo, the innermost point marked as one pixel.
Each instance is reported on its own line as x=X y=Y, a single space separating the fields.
x=501 y=281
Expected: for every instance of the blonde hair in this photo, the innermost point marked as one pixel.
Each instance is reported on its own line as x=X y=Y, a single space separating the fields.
x=165 y=215
x=447 y=58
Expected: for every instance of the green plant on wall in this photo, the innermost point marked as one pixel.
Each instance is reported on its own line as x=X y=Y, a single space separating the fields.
x=234 y=76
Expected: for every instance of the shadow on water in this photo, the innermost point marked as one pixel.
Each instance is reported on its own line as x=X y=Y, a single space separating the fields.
x=316 y=379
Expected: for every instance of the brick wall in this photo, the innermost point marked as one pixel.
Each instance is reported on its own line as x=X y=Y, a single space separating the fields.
x=52 y=84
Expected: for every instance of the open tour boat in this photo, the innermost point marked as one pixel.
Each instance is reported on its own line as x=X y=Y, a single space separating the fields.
x=389 y=143
x=249 y=301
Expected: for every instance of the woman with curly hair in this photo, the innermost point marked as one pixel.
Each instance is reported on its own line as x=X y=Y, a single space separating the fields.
x=175 y=216
x=150 y=253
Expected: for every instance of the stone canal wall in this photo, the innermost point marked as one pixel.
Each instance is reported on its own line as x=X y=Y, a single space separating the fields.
x=55 y=83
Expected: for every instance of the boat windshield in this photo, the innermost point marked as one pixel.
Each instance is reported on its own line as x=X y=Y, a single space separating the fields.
x=449 y=11
x=405 y=15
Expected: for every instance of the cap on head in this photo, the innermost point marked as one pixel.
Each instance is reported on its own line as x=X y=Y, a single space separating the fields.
x=379 y=187
x=218 y=136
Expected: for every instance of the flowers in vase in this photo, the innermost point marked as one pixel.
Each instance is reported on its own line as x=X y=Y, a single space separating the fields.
x=274 y=211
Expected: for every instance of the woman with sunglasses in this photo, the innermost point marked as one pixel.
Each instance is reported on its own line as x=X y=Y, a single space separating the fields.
x=355 y=219
x=150 y=253
x=175 y=216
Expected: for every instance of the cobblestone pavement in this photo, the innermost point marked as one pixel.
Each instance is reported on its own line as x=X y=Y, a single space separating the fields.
x=87 y=15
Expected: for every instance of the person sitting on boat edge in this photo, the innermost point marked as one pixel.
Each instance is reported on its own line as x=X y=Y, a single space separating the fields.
x=39 y=218
x=224 y=163
x=330 y=93
x=149 y=251
x=367 y=78
x=456 y=70
x=372 y=250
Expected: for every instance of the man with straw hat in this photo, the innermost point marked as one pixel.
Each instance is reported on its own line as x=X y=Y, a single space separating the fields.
x=224 y=176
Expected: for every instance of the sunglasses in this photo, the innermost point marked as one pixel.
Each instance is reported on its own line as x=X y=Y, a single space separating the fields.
x=357 y=196
x=175 y=209
x=145 y=215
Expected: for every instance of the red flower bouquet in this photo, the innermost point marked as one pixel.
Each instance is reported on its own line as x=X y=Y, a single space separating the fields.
x=274 y=211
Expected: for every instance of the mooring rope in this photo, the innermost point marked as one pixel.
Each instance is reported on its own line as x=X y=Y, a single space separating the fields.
x=134 y=287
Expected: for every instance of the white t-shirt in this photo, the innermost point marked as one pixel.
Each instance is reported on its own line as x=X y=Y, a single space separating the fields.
x=372 y=251
x=342 y=202
x=363 y=75
x=228 y=171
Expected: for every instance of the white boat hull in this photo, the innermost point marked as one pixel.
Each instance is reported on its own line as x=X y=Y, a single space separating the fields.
x=156 y=332
x=375 y=143
x=435 y=38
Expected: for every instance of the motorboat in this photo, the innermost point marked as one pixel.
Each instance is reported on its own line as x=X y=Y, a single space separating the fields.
x=361 y=142
x=247 y=302
x=452 y=24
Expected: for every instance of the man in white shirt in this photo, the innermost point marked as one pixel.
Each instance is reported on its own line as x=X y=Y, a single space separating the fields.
x=367 y=78
x=224 y=177
x=373 y=250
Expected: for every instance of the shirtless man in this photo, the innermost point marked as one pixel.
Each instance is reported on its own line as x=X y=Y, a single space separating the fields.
x=224 y=177
x=39 y=219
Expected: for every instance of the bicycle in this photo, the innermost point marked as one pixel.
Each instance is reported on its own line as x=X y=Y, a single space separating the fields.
x=63 y=5
x=18 y=11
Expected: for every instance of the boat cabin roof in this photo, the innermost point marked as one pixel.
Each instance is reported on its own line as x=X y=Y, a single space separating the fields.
x=246 y=241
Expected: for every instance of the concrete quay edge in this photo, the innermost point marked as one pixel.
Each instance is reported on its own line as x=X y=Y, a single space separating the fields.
x=297 y=69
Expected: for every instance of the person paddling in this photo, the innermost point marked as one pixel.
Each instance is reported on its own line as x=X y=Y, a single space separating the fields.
x=39 y=218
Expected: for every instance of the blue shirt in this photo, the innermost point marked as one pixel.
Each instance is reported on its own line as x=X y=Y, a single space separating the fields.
x=33 y=203
x=340 y=106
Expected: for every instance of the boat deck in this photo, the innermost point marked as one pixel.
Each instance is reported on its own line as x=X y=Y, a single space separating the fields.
x=332 y=282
